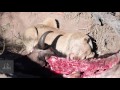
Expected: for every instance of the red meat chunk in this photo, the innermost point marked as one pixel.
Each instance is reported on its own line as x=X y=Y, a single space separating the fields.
x=87 y=68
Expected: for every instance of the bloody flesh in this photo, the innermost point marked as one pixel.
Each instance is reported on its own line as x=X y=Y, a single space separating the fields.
x=88 y=68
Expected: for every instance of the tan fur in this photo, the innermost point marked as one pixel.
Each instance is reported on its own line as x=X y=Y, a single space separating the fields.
x=30 y=37
x=74 y=45
x=50 y=22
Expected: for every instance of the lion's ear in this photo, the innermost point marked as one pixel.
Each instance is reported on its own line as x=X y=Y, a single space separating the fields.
x=51 y=22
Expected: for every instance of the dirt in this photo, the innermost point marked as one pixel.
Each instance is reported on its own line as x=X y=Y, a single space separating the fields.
x=13 y=24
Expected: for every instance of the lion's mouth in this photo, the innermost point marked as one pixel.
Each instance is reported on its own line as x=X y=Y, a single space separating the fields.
x=87 y=68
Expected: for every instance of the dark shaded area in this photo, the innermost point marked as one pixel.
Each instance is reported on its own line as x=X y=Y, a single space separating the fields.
x=25 y=68
x=57 y=22
x=41 y=42
x=2 y=46
x=25 y=65
x=95 y=48
x=101 y=21
x=107 y=55
x=53 y=47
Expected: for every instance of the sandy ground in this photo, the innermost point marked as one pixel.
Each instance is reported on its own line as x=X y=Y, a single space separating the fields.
x=12 y=25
